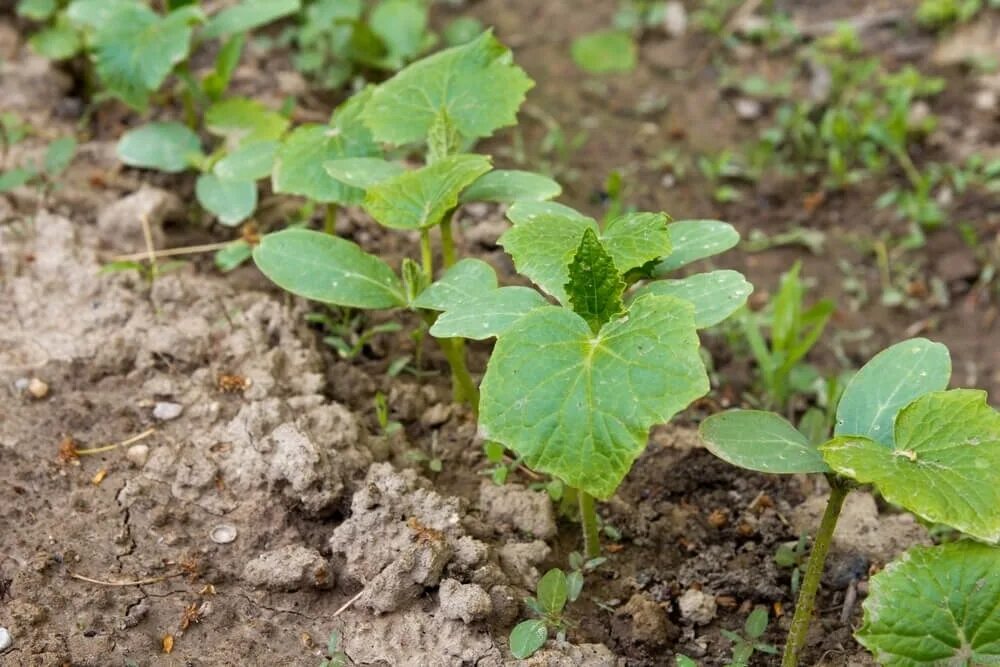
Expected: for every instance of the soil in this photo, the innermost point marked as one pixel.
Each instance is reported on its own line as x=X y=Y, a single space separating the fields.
x=257 y=507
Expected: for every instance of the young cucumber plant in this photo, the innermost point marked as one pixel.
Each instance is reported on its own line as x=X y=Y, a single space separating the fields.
x=451 y=99
x=934 y=452
x=574 y=388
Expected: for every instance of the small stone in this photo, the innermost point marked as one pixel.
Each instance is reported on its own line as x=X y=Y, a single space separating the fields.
x=748 y=109
x=166 y=411
x=21 y=384
x=5 y=639
x=37 y=388
x=465 y=602
x=697 y=606
x=650 y=624
x=675 y=19
x=986 y=100
x=224 y=533
x=436 y=415
x=138 y=455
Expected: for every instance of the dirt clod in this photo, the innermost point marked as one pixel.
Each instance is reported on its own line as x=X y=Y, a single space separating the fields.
x=697 y=606
x=514 y=506
x=467 y=602
x=289 y=568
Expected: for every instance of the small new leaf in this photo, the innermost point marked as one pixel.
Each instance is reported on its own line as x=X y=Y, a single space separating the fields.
x=527 y=637
x=595 y=287
x=552 y=592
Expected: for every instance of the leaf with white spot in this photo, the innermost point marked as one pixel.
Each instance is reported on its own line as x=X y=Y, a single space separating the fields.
x=508 y=186
x=489 y=315
x=363 y=172
x=715 y=295
x=692 y=240
x=468 y=279
x=762 y=441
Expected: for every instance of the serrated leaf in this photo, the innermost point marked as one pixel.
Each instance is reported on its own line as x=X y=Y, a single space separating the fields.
x=420 y=199
x=249 y=162
x=242 y=120
x=551 y=591
x=692 y=240
x=488 y=315
x=299 y=166
x=476 y=84
x=935 y=606
x=58 y=42
x=167 y=147
x=890 y=380
x=442 y=138
x=636 y=238
x=328 y=269
x=248 y=15
x=715 y=295
x=762 y=441
x=579 y=405
x=595 y=287
x=231 y=202
x=508 y=186
x=605 y=52
x=944 y=463
x=527 y=637
x=363 y=172
x=59 y=154
x=468 y=279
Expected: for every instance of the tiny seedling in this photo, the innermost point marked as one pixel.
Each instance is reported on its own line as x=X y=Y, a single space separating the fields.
x=345 y=330
x=335 y=656
x=747 y=642
x=793 y=556
x=42 y=176
x=554 y=590
x=936 y=453
x=388 y=426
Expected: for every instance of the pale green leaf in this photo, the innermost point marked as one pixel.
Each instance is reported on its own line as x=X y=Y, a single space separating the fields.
x=92 y=14
x=402 y=27
x=476 y=84
x=242 y=120
x=328 y=269
x=16 y=177
x=762 y=441
x=527 y=637
x=461 y=30
x=605 y=52
x=36 y=10
x=248 y=15
x=715 y=295
x=890 y=380
x=363 y=172
x=579 y=405
x=525 y=211
x=551 y=591
x=419 y=199
x=509 y=186
x=935 y=606
x=468 y=279
x=595 y=286
x=636 y=238
x=944 y=463
x=692 y=240
x=59 y=154
x=233 y=255
x=169 y=147
x=487 y=315
x=231 y=202
x=249 y=162
x=58 y=42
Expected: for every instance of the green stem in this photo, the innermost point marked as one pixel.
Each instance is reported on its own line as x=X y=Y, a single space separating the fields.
x=426 y=256
x=588 y=522
x=814 y=572
x=330 y=220
x=464 y=390
x=447 y=242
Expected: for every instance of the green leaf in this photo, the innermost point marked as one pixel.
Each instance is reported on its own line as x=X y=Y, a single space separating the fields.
x=715 y=296
x=442 y=138
x=233 y=255
x=136 y=50
x=944 y=463
x=402 y=27
x=16 y=177
x=890 y=380
x=527 y=637
x=526 y=211
x=242 y=120
x=420 y=199
x=59 y=154
x=249 y=162
x=579 y=405
x=552 y=591
x=92 y=14
x=328 y=269
x=58 y=42
x=299 y=167
x=488 y=315
x=461 y=30
x=935 y=606
x=363 y=172
x=36 y=10
x=605 y=52
x=166 y=147
x=595 y=287
x=692 y=240
x=636 y=238
x=762 y=441
x=756 y=623
x=476 y=84
x=248 y=15
x=231 y=202
x=217 y=81
x=468 y=279
x=574 y=585
x=509 y=186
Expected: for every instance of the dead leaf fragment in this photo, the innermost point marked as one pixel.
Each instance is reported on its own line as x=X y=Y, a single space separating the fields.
x=168 y=643
x=99 y=477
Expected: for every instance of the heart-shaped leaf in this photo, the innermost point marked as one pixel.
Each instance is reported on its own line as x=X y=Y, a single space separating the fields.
x=169 y=147
x=231 y=202
x=935 y=606
x=249 y=162
x=715 y=296
x=943 y=465
x=509 y=186
x=328 y=269
x=762 y=441
x=579 y=405
x=692 y=240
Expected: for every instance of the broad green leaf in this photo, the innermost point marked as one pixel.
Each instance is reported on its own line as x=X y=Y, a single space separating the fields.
x=935 y=606
x=468 y=279
x=636 y=238
x=762 y=441
x=58 y=42
x=328 y=269
x=527 y=637
x=944 y=464
x=509 y=186
x=249 y=162
x=92 y=14
x=524 y=211
x=233 y=255
x=169 y=147
x=363 y=172
x=595 y=287
x=248 y=15
x=579 y=405
x=605 y=52
x=715 y=295
x=692 y=240
x=36 y=10
x=231 y=202
x=299 y=167
x=16 y=177
x=136 y=50
x=476 y=84
x=889 y=381
x=461 y=30
x=402 y=27
x=487 y=315
x=242 y=120
x=420 y=199
x=551 y=591
x=59 y=154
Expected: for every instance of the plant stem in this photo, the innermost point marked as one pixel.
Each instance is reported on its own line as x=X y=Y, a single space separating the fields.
x=814 y=572
x=426 y=256
x=447 y=242
x=464 y=390
x=330 y=220
x=588 y=522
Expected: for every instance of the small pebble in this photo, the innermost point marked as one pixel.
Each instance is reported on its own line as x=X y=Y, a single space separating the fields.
x=675 y=20
x=697 y=606
x=986 y=100
x=5 y=639
x=167 y=411
x=138 y=454
x=21 y=384
x=224 y=533
x=748 y=109
x=37 y=388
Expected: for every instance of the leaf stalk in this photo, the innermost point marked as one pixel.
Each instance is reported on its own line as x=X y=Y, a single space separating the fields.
x=588 y=522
